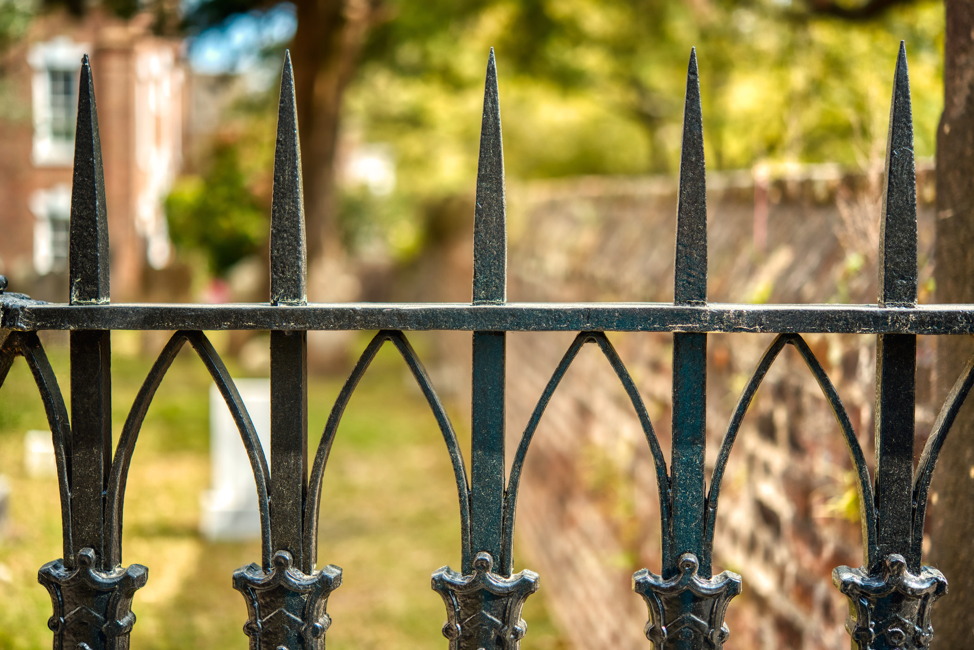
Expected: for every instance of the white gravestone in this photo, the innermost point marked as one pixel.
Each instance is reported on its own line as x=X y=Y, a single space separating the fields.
x=229 y=509
x=39 y=454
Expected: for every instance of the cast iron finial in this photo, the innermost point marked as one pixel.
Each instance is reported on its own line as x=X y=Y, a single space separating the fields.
x=898 y=226
x=691 y=219
x=490 y=217
x=289 y=263
x=88 y=248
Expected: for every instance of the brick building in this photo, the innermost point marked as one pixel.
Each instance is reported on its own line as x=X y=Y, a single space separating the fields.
x=139 y=87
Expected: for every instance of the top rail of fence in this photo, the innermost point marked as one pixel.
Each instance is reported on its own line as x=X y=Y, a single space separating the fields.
x=28 y=315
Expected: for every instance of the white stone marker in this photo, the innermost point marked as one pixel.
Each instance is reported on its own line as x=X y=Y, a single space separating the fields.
x=229 y=509
x=39 y=454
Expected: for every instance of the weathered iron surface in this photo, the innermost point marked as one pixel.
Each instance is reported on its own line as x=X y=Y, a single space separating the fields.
x=92 y=608
x=289 y=248
x=686 y=610
x=88 y=228
x=689 y=394
x=483 y=609
x=289 y=349
x=287 y=607
x=488 y=401
x=16 y=313
x=889 y=607
x=891 y=595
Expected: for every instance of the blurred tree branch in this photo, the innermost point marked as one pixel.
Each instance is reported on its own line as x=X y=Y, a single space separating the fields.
x=863 y=11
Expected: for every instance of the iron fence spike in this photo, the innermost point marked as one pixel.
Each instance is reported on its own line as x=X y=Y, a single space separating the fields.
x=88 y=266
x=896 y=353
x=490 y=216
x=691 y=221
x=288 y=246
x=898 y=226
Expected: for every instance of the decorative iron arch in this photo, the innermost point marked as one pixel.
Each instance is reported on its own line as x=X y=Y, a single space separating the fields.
x=115 y=496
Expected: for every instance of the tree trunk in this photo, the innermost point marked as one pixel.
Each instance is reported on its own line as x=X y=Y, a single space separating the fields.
x=325 y=54
x=953 y=494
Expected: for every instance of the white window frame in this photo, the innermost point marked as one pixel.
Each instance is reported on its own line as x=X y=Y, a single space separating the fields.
x=60 y=53
x=49 y=206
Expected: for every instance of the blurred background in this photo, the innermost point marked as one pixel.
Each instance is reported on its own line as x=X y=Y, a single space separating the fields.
x=796 y=97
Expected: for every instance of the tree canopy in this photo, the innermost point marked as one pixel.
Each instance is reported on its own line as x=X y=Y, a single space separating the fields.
x=586 y=86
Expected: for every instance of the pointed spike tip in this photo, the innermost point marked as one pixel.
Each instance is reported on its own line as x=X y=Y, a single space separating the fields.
x=691 y=230
x=288 y=230
x=490 y=216
x=287 y=74
x=88 y=255
x=898 y=225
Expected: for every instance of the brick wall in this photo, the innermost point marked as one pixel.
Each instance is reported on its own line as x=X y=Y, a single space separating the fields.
x=588 y=514
x=126 y=60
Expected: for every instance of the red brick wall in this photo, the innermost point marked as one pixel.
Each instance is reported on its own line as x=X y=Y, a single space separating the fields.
x=113 y=47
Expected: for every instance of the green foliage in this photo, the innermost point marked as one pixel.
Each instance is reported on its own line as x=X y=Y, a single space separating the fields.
x=365 y=219
x=593 y=87
x=597 y=87
x=218 y=214
x=15 y=16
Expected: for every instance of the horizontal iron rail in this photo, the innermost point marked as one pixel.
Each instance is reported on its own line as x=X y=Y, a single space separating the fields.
x=27 y=315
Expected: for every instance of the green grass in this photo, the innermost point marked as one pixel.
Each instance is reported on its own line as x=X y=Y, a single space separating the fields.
x=389 y=515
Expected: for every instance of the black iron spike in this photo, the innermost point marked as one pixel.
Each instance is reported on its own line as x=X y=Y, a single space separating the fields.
x=689 y=349
x=288 y=239
x=896 y=353
x=898 y=226
x=691 y=219
x=489 y=348
x=490 y=217
x=88 y=248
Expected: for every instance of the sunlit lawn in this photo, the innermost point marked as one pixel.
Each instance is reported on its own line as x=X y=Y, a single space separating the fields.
x=389 y=515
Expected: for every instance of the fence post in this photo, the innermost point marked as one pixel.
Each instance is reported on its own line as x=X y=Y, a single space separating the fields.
x=686 y=606
x=892 y=595
x=484 y=602
x=92 y=600
x=287 y=602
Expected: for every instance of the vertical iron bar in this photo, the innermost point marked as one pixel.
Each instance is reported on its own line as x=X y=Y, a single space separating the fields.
x=91 y=395
x=489 y=348
x=896 y=353
x=289 y=350
x=690 y=350
x=289 y=444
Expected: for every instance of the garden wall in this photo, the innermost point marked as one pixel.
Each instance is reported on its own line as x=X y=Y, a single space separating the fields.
x=588 y=510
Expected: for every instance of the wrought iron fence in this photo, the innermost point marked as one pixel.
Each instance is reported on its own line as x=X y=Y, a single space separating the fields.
x=890 y=595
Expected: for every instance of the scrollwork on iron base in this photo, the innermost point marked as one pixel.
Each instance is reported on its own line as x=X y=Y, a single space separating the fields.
x=92 y=608
x=484 y=609
x=890 y=607
x=287 y=607
x=686 y=606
